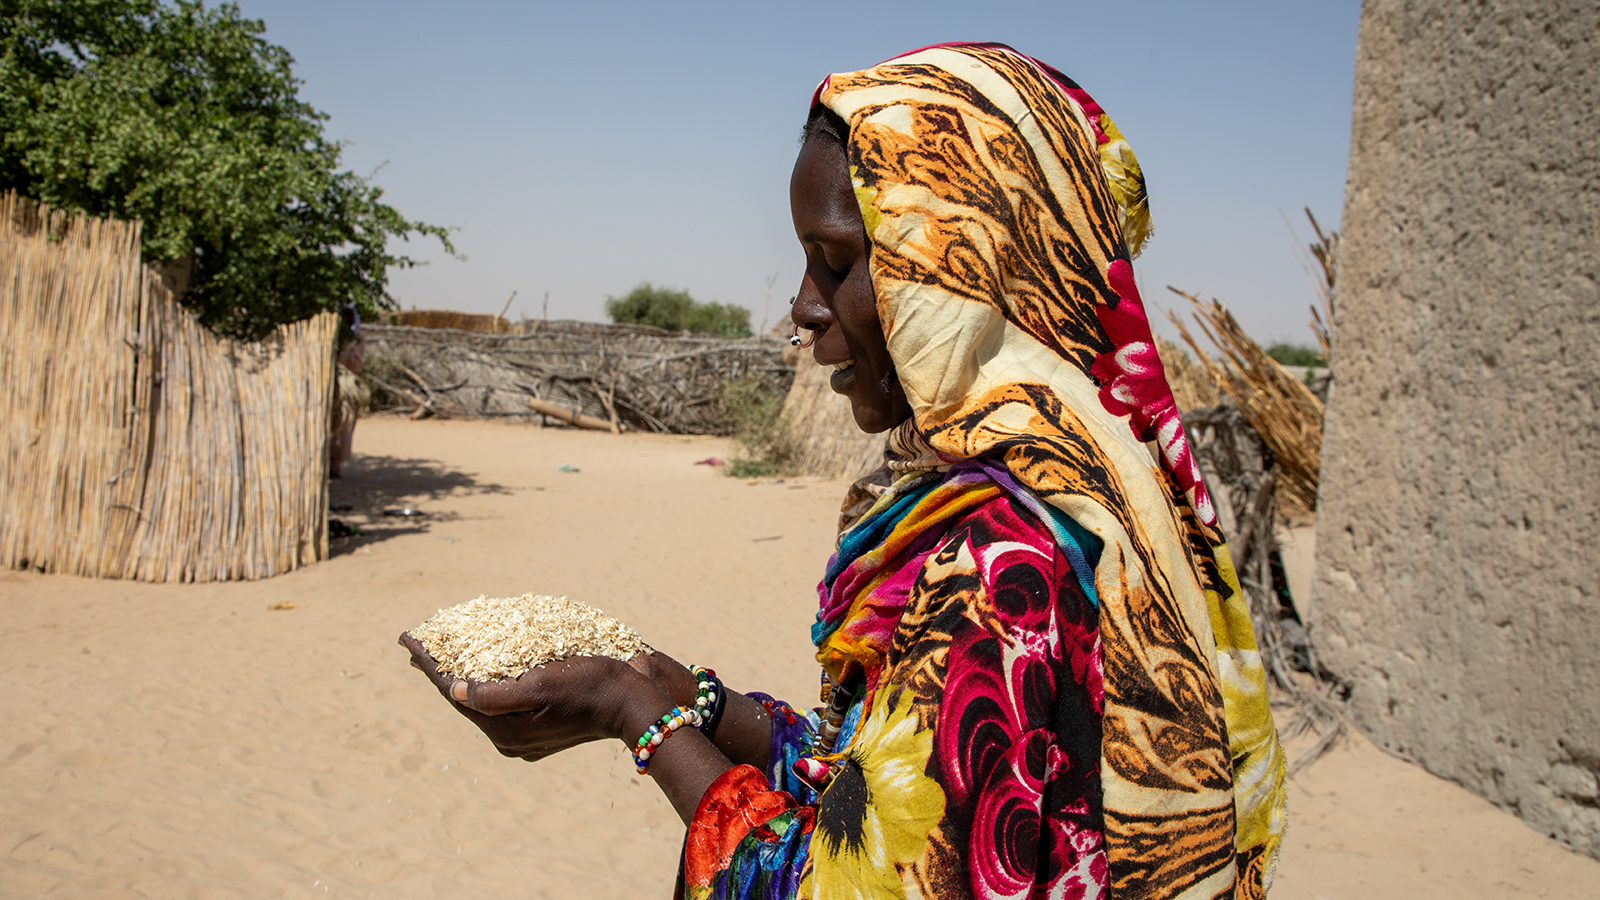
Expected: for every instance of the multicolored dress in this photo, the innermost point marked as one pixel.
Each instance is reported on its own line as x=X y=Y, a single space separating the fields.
x=1053 y=687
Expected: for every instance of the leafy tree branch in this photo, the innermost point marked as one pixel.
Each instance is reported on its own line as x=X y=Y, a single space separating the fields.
x=188 y=119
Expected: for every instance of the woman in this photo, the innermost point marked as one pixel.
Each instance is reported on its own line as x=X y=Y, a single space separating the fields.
x=1041 y=675
x=351 y=395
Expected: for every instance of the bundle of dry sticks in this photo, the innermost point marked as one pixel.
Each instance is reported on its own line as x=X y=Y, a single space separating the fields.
x=1282 y=410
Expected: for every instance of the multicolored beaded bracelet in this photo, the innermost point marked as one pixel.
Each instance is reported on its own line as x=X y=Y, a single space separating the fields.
x=652 y=738
x=709 y=699
x=708 y=703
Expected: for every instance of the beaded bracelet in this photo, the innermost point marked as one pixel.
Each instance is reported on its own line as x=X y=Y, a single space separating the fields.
x=708 y=703
x=710 y=698
x=646 y=746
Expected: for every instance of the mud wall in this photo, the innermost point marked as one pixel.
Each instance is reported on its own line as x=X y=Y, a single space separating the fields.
x=1459 y=525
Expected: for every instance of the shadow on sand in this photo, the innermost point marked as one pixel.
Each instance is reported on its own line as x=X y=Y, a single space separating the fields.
x=372 y=484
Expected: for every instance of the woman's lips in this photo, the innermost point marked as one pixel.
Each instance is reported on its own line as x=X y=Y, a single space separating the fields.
x=843 y=377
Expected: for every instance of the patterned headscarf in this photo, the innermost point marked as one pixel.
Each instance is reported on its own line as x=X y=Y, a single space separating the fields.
x=1001 y=204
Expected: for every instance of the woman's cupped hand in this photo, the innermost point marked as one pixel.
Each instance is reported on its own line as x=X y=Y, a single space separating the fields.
x=553 y=707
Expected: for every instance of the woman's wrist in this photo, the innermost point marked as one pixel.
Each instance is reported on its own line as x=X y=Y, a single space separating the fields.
x=745 y=734
x=670 y=675
x=641 y=715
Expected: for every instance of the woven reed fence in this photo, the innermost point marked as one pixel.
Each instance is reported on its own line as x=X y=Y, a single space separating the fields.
x=634 y=376
x=134 y=443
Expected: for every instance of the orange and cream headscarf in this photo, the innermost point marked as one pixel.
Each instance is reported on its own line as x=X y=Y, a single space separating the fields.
x=1003 y=207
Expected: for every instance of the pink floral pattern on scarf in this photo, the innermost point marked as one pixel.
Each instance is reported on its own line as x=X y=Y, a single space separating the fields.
x=1134 y=384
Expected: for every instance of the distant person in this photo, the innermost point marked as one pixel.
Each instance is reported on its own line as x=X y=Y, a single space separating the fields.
x=1040 y=676
x=351 y=394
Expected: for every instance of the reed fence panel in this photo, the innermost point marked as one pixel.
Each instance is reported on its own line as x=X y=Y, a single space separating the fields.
x=134 y=443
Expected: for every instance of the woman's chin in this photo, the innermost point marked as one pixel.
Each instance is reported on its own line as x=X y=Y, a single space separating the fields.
x=873 y=412
x=871 y=421
x=876 y=415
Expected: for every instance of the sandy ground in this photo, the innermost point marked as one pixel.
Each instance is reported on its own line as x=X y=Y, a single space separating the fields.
x=187 y=741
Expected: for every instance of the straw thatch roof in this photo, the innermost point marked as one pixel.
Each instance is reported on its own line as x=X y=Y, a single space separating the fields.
x=826 y=439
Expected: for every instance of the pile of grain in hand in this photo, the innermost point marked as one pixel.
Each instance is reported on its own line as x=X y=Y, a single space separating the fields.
x=488 y=639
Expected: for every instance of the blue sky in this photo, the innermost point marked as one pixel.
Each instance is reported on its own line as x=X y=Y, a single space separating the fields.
x=581 y=148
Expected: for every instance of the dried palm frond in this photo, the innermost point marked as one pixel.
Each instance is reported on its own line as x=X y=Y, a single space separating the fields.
x=1280 y=408
x=1192 y=387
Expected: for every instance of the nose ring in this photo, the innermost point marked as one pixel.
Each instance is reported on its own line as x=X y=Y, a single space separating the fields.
x=797 y=340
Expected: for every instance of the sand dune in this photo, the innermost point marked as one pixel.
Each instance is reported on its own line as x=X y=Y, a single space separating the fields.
x=186 y=741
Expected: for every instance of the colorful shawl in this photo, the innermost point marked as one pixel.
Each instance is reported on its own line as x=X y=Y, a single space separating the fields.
x=970 y=769
x=1001 y=203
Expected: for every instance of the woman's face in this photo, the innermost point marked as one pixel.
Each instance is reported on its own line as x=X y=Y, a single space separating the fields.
x=836 y=299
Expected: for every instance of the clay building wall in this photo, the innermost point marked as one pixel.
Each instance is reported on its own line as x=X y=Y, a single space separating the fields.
x=1457 y=588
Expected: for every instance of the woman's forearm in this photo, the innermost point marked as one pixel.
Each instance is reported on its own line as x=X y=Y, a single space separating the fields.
x=684 y=765
x=744 y=735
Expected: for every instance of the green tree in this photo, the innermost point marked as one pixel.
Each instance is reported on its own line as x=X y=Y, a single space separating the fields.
x=725 y=319
x=651 y=305
x=677 y=311
x=186 y=118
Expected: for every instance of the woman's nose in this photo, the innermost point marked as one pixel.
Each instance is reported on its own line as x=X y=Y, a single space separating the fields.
x=807 y=309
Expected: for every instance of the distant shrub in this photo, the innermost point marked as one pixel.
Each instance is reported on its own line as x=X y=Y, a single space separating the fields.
x=725 y=319
x=759 y=428
x=677 y=311
x=651 y=305
x=1295 y=355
